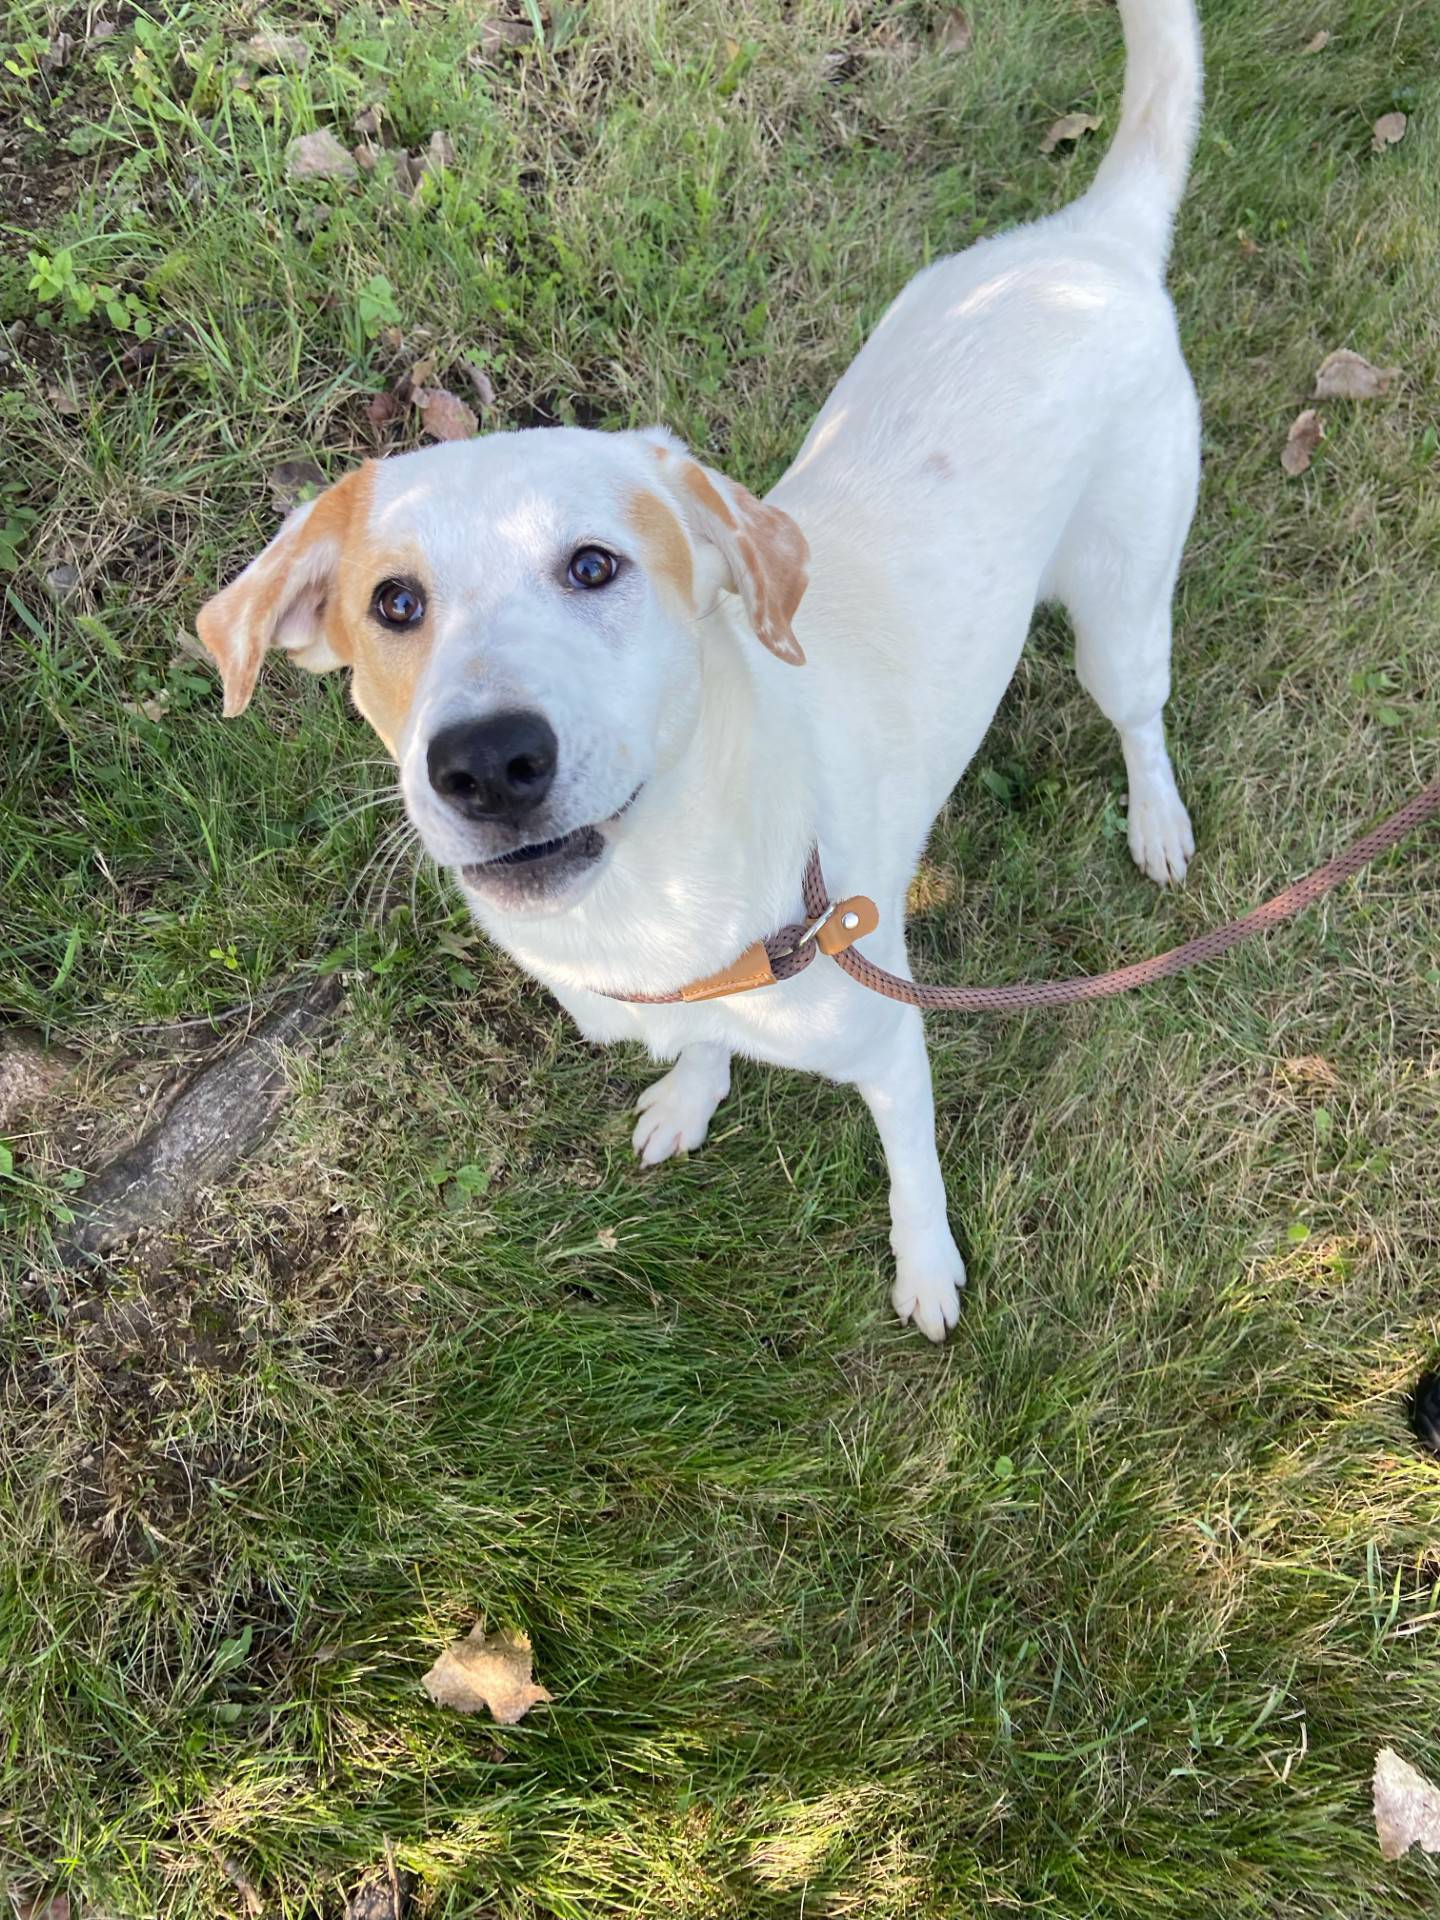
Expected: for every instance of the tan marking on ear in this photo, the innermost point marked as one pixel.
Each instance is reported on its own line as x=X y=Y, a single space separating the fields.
x=696 y=481
x=662 y=539
x=775 y=554
x=239 y=624
x=766 y=553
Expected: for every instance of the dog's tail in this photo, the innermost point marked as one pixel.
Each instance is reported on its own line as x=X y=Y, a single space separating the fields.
x=1138 y=188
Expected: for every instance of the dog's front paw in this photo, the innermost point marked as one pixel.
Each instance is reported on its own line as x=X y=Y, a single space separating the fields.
x=675 y=1112
x=1161 y=838
x=929 y=1274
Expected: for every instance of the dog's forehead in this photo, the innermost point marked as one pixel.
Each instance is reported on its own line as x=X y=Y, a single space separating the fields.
x=506 y=491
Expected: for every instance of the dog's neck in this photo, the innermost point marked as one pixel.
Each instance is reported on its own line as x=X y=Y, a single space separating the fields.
x=710 y=857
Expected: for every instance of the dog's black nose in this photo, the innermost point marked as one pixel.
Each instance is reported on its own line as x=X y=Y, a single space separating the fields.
x=495 y=769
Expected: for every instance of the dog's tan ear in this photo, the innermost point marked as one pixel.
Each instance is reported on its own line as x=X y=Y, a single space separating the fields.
x=765 y=555
x=280 y=599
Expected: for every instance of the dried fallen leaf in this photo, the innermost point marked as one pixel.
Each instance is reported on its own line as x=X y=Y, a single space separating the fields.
x=1309 y=1070
x=440 y=153
x=268 y=49
x=1070 y=128
x=383 y=410
x=63 y=397
x=367 y=122
x=1388 y=131
x=480 y=380
x=446 y=415
x=141 y=354
x=418 y=378
x=607 y=1239
x=289 y=480
x=1344 y=375
x=59 y=52
x=1319 y=43
x=153 y=709
x=384 y=1896
x=40 y=1907
x=955 y=32
x=486 y=1670
x=319 y=156
x=1307 y=430
x=1407 y=1807
x=244 y=1886
x=187 y=646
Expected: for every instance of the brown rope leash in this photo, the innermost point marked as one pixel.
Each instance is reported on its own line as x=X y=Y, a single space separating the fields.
x=833 y=926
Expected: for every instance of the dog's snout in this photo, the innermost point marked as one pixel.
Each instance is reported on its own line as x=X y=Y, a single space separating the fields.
x=499 y=768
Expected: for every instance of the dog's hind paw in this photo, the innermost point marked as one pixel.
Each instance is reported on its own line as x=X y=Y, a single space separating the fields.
x=675 y=1112
x=929 y=1274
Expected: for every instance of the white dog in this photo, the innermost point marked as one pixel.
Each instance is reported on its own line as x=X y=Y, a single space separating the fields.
x=626 y=698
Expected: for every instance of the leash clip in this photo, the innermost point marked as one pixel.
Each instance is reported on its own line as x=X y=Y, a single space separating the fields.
x=812 y=932
x=842 y=923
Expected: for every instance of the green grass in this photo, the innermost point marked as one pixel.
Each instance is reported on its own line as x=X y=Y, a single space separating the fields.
x=1102 y=1611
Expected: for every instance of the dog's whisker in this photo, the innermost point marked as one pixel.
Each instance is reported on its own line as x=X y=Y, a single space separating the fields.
x=357 y=809
x=370 y=868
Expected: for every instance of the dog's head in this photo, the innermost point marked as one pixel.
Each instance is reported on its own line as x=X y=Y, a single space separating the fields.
x=518 y=614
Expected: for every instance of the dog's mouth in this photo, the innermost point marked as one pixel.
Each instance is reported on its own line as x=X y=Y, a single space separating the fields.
x=538 y=874
x=539 y=852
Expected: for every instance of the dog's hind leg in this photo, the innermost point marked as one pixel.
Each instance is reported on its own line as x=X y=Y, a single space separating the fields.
x=675 y=1112
x=1115 y=574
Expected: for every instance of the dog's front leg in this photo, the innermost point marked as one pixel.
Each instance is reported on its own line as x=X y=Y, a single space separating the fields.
x=675 y=1112
x=929 y=1272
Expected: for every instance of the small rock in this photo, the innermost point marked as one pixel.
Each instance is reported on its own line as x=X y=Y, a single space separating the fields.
x=63 y=580
x=319 y=156
x=501 y=36
x=268 y=49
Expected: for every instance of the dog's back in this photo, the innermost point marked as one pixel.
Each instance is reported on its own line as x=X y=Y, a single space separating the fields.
x=1015 y=401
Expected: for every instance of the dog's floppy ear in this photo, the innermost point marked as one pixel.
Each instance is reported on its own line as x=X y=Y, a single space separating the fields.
x=764 y=554
x=280 y=599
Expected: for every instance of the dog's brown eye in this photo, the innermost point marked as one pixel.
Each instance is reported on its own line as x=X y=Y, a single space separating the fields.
x=398 y=604
x=592 y=567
